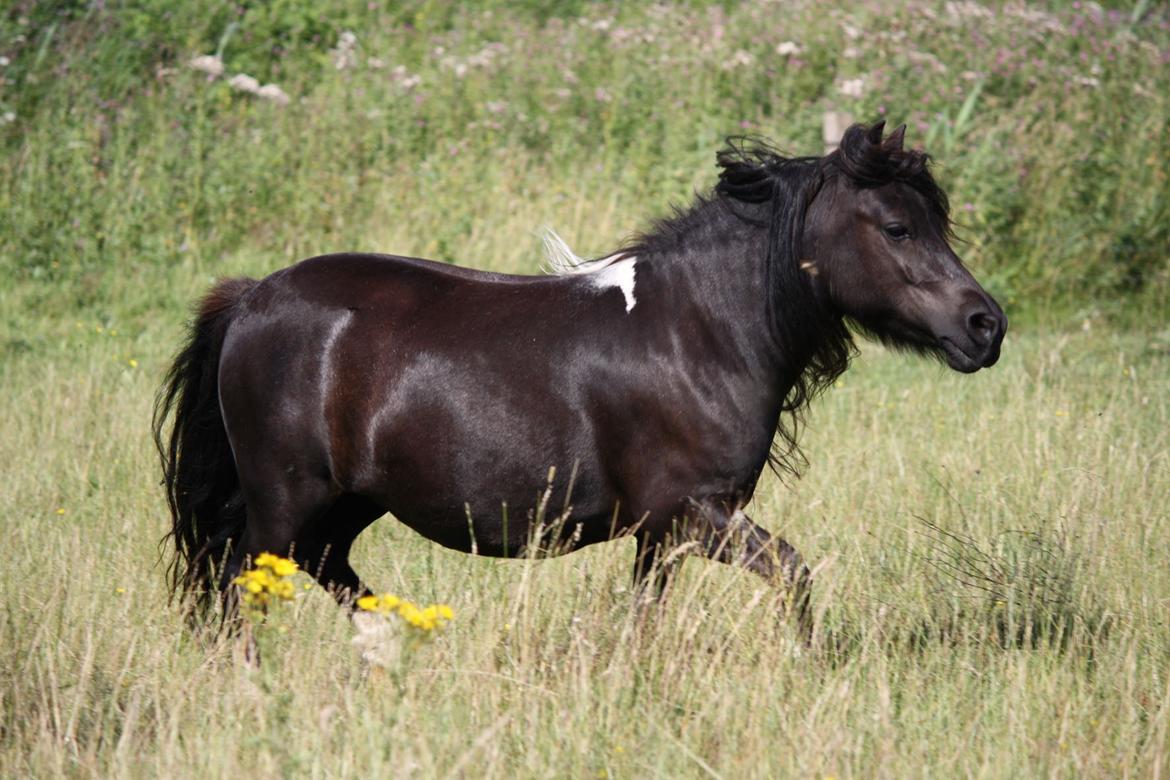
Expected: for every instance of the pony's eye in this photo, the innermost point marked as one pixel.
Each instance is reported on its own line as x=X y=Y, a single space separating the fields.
x=897 y=231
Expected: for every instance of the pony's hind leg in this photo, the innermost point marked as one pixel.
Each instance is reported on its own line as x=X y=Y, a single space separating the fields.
x=280 y=517
x=306 y=520
x=324 y=552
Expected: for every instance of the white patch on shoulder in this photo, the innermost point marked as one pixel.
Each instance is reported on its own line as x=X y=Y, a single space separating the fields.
x=620 y=274
x=616 y=270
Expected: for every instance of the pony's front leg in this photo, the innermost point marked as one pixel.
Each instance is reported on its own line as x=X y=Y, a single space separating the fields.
x=727 y=535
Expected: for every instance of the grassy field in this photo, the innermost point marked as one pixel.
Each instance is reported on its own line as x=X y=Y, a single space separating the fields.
x=1054 y=465
x=993 y=594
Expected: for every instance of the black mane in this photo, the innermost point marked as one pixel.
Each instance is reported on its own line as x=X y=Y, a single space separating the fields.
x=759 y=185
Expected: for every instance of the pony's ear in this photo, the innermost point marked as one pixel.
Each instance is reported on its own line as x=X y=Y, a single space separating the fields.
x=874 y=136
x=895 y=139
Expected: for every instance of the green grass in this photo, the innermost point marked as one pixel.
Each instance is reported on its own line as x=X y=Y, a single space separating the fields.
x=993 y=595
x=449 y=118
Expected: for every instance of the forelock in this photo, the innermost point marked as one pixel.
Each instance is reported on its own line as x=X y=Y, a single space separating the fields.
x=869 y=164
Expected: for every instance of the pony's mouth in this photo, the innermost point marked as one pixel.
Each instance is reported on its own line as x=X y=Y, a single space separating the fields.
x=912 y=336
x=958 y=359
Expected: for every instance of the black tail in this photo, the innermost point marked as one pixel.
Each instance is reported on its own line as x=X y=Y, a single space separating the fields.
x=199 y=472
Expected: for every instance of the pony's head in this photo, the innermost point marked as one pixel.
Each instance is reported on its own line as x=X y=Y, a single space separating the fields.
x=877 y=238
x=863 y=234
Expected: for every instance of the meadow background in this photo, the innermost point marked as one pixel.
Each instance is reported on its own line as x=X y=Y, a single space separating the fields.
x=993 y=593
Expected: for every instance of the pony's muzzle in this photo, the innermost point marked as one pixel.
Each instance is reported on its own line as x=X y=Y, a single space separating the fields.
x=985 y=325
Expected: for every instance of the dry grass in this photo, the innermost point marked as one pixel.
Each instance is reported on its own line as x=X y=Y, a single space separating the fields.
x=545 y=672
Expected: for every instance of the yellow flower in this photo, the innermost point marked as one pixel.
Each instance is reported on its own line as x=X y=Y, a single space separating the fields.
x=385 y=604
x=267 y=579
x=133 y=363
x=61 y=510
x=423 y=620
x=283 y=567
x=265 y=559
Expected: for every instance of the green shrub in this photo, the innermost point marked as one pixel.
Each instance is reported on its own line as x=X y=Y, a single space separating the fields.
x=119 y=156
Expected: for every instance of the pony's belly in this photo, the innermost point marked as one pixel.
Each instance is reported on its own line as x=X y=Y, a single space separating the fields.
x=509 y=534
x=481 y=482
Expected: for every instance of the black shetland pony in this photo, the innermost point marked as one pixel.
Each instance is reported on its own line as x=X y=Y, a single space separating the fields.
x=662 y=377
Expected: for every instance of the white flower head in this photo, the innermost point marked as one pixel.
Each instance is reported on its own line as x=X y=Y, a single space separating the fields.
x=345 y=55
x=209 y=64
x=739 y=59
x=853 y=88
x=242 y=82
x=273 y=93
x=788 y=49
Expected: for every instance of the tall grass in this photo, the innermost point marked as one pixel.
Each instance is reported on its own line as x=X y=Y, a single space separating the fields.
x=992 y=591
x=1047 y=474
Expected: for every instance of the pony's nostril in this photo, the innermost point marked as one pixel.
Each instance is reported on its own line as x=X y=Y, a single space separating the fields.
x=982 y=326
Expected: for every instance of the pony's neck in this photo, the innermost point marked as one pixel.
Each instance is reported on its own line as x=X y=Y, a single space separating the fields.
x=777 y=340
x=719 y=260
